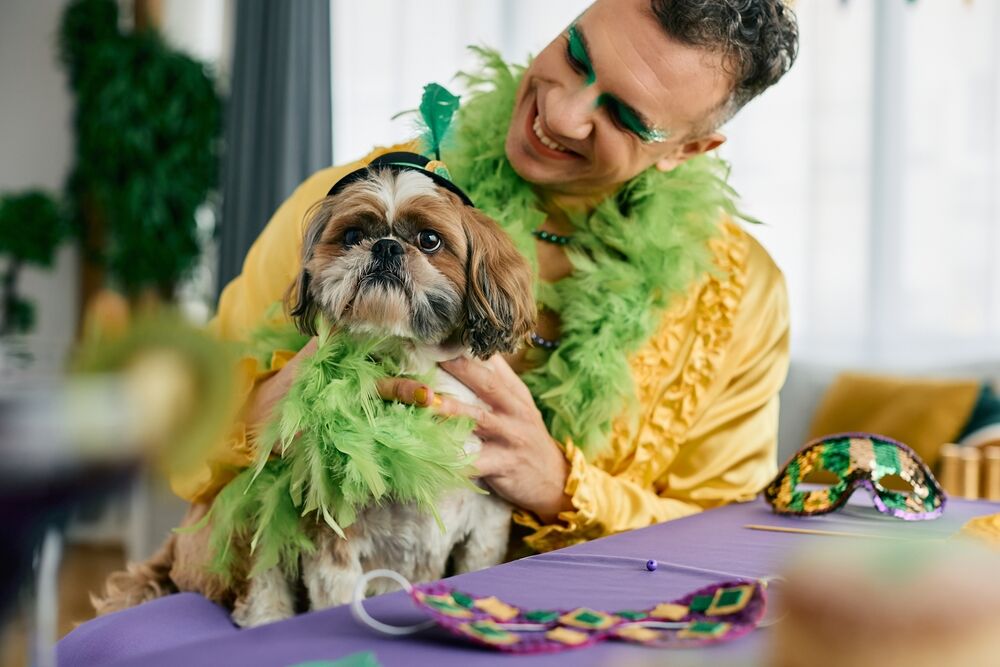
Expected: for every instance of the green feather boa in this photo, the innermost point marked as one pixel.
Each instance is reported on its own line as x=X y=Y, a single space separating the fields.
x=631 y=256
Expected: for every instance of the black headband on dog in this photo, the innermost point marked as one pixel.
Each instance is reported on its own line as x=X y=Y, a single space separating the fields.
x=404 y=161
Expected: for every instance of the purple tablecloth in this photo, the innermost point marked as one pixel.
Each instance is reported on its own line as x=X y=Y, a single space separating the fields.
x=608 y=574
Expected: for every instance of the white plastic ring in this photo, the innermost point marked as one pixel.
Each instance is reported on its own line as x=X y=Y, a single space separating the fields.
x=363 y=617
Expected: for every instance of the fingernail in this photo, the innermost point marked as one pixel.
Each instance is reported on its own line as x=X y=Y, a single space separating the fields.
x=420 y=395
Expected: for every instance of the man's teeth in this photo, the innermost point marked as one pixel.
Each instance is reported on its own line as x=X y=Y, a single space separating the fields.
x=545 y=139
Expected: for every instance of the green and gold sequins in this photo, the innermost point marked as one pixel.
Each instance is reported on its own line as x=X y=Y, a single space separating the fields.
x=567 y=636
x=439 y=168
x=445 y=604
x=730 y=600
x=704 y=630
x=700 y=603
x=637 y=633
x=632 y=615
x=497 y=608
x=541 y=616
x=669 y=611
x=859 y=460
x=587 y=619
x=463 y=600
x=489 y=632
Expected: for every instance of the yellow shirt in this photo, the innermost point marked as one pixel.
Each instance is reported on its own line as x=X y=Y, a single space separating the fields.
x=707 y=381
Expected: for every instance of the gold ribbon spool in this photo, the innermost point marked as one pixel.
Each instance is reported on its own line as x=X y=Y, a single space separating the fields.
x=951 y=469
x=971 y=460
x=970 y=472
x=991 y=473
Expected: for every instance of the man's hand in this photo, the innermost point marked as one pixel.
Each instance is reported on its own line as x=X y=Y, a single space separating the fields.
x=267 y=394
x=519 y=459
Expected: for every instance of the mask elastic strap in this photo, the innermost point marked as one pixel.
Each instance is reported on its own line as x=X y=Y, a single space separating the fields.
x=765 y=583
x=362 y=616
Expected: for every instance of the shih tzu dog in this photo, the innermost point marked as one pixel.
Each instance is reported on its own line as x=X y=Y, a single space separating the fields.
x=393 y=249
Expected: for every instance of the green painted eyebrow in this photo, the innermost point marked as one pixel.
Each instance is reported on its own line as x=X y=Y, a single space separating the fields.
x=632 y=120
x=578 y=50
x=629 y=118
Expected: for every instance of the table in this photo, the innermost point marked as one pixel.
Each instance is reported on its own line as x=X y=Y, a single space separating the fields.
x=609 y=573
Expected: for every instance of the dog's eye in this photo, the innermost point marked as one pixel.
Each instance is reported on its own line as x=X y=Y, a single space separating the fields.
x=352 y=236
x=429 y=241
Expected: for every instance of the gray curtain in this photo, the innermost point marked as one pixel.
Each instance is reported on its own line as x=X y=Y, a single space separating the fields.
x=278 y=119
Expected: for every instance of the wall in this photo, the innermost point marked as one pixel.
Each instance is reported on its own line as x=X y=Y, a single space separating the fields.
x=35 y=147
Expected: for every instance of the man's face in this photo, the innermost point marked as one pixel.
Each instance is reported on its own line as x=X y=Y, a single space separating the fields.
x=610 y=97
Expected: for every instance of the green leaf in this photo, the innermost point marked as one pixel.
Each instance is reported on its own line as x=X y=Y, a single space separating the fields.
x=32 y=227
x=19 y=318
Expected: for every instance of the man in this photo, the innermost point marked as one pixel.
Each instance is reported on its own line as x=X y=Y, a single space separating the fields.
x=632 y=88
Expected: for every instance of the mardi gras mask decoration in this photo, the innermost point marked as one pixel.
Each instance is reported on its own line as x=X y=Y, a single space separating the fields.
x=713 y=614
x=859 y=460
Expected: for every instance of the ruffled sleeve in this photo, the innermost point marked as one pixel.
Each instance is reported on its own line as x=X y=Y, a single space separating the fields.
x=270 y=267
x=708 y=386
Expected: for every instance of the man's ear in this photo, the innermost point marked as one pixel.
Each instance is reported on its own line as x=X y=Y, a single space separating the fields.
x=690 y=149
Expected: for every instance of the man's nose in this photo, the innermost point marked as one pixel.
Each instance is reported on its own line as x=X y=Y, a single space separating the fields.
x=570 y=113
x=387 y=250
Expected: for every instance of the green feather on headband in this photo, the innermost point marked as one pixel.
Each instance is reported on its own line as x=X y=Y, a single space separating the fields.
x=437 y=108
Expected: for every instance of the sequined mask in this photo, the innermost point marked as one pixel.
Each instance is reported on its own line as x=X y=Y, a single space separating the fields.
x=859 y=460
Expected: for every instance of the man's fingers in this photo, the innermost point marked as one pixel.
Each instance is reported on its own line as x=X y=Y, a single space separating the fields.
x=487 y=461
x=407 y=391
x=482 y=380
x=412 y=392
x=510 y=379
x=451 y=407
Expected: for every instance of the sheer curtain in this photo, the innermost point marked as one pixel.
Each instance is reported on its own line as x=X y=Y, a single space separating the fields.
x=873 y=164
x=384 y=51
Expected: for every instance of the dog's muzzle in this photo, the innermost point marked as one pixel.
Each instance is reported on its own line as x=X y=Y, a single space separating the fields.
x=385 y=270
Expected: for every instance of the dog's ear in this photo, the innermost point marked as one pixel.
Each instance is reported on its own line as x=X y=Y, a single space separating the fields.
x=299 y=301
x=499 y=302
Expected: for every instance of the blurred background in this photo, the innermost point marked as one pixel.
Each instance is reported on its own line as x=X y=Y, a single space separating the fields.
x=150 y=165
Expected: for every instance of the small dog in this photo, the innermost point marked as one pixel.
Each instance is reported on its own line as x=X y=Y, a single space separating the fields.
x=390 y=252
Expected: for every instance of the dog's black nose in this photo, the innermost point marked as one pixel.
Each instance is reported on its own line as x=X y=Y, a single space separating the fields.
x=386 y=250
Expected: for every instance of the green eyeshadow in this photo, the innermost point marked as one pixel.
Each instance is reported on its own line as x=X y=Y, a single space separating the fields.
x=623 y=114
x=628 y=118
x=578 y=52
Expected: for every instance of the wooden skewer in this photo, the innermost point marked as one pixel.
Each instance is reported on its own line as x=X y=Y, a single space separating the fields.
x=833 y=533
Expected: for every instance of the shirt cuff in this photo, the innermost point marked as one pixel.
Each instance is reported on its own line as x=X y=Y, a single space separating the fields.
x=572 y=526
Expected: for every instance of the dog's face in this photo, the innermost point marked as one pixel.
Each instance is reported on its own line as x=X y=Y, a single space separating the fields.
x=396 y=254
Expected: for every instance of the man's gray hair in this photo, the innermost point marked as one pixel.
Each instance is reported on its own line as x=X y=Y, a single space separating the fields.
x=758 y=40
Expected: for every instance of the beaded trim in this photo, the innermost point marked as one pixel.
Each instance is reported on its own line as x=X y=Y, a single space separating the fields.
x=544 y=343
x=549 y=237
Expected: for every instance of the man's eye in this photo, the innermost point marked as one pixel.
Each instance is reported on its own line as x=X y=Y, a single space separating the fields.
x=429 y=241
x=622 y=119
x=578 y=65
x=615 y=113
x=352 y=237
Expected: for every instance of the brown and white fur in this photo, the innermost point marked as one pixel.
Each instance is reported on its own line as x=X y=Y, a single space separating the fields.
x=391 y=253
